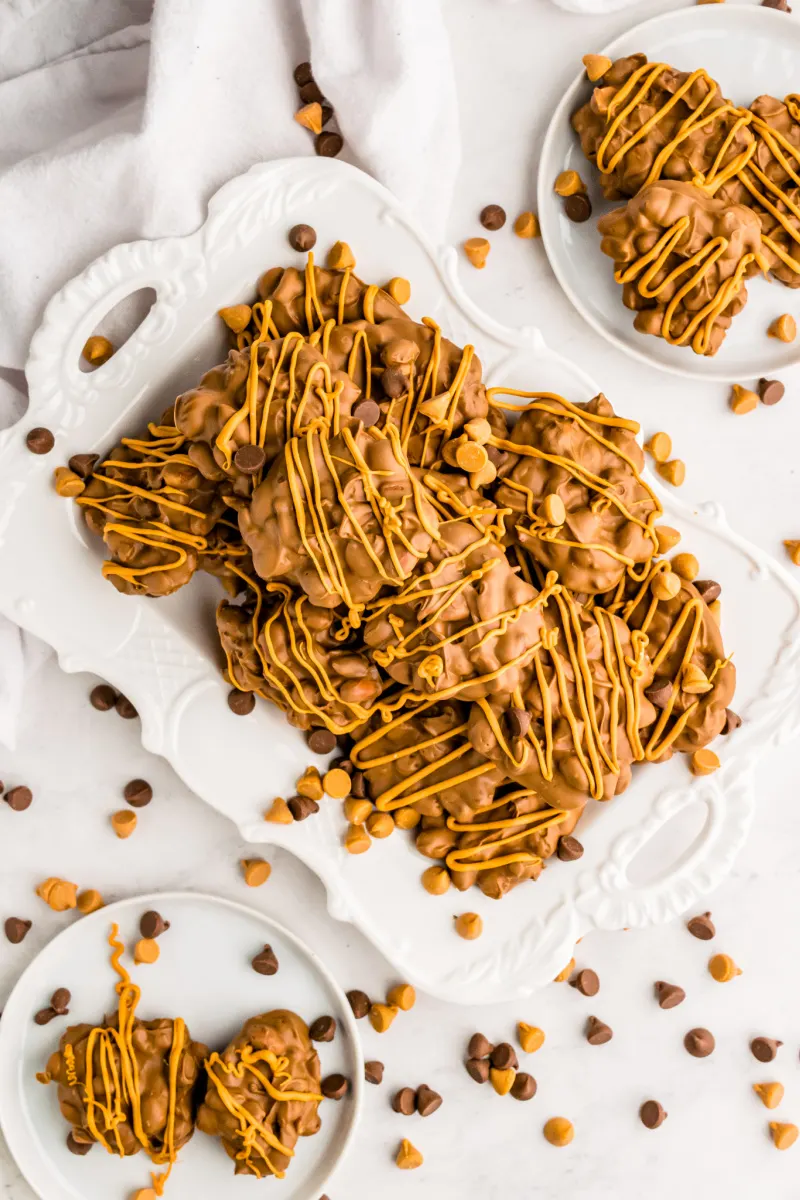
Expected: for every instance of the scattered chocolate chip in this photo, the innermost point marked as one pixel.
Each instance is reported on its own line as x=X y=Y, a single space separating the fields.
x=18 y=798
x=597 y=1032
x=404 y=1101
x=59 y=1001
x=302 y=806
x=335 y=1086
x=586 y=981
x=427 y=1100
x=302 y=74
x=241 y=703
x=699 y=1042
x=709 y=589
x=652 y=1114
x=138 y=793
x=16 y=929
x=518 y=722
x=84 y=464
x=732 y=721
x=504 y=1056
x=76 y=1147
x=702 y=927
x=249 y=459
x=569 y=849
x=373 y=1071
x=496 y=456
x=125 y=708
x=342 y=764
x=781 y=5
x=493 y=217
x=478 y=1069
x=327 y=144
x=659 y=691
x=102 y=697
x=394 y=383
x=578 y=208
x=44 y=1015
x=771 y=391
x=323 y=1029
x=310 y=93
x=358 y=786
x=327 y=112
x=360 y=1003
x=152 y=924
x=524 y=1086
x=40 y=440
x=479 y=1046
x=302 y=237
x=764 y=1048
x=367 y=412
x=669 y=995
x=265 y=962
x=321 y=741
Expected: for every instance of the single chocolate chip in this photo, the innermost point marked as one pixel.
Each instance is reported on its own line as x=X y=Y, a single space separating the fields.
x=479 y=1046
x=771 y=391
x=524 y=1086
x=18 y=798
x=518 y=722
x=578 y=208
x=44 y=1015
x=586 y=981
x=335 y=1086
x=102 y=697
x=40 y=440
x=84 y=464
x=358 y=788
x=764 y=1048
x=652 y=1114
x=569 y=848
x=152 y=924
x=360 y=1003
x=327 y=112
x=310 y=93
x=249 y=459
x=373 y=1071
x=504 y=1056
x=125 y=708
x=342 y=764
x=702 y=927
x=265 y=962
x=478 y=1069
x=241 y=703
x=16 y=929
x=699 y=1042
x=709 y=589
x=327 y=144
x=321 y=741
x=302 y=74
x=732 y=721
x=138 y=793
x=76 y=1147
x=781 y=5
x=659 y=691
x=302 y=806
x=404 y=1101
x=394 y=383
x=322 y=1030
x=496 y=456
x=367 y=412
x=427 y=1100
x=302 y=237
x=597 y=1032
x=493 y=217
x=59 y=1001
x=669 y=995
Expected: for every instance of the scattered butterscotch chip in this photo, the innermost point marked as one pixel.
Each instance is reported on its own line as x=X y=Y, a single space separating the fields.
x=596 y=66
x=236 y=316
x=568 y=183
x=399 y=289
x=279 y=812
x=702 y=927
x=146 y=950
x=674 y=471
x=265 y=962
x=770 y=1094
x=665 y=585
x=669 y=995
x=357 y=811
x=310 y=784
x=402 y=996
x=256 y=871
x=477 y=251
x=530 y=1037
x=89 y=901
x=336 y=783
x=359 y=1002
x=565 y=974
x=742 y=400
x=60 y=894
x=310 y=117
x=652 y=1114
x=97 y=350
x=469 y=925
x=302 y=238
x=340 y=257
x=784 y=1134
x=686 y=566
x=502 y=1079
x=381 y=1016
x=470 y=456
x=666 y=537
x=553 y=509
x=784 y=328
x=793 y=550
x=695 y=681
x=482 y=478
x=357 y=840
x=408 y=1156
x=67 y=483
x=427 y=1100
x=145 y=1194
x=586 y=982
x=722 y=968
x=559 y=1131
x=704 y=762
x=660 y=447
x=407 y=818
x=527 y=225
x=597 y=1032
x=765 y=1049
x=699 y=1042
x=478 y=430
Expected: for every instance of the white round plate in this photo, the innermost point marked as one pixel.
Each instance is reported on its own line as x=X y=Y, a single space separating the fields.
x=748 y=50
x=203 y=975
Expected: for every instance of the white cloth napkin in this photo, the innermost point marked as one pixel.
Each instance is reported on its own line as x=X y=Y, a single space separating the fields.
x=121 y=119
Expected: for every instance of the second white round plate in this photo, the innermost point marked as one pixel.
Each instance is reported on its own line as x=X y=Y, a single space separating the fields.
x=749 y=50
x=203 y=975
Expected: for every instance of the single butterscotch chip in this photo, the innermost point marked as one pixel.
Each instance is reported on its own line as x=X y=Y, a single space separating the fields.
x=340 y=257
x=722 y=968
x=67 y=483
x=310 y=116
x=665 y=585
x=381 y=1016
x=527 y=225
x=685 y=565
x=436 y=408
x=146 y=950
x=793 y=550
x=784 y=1135
x=502 y=1080
x=742 y=400
x=477 y=251
x=784 y=328
x=486 y=475
x=399 y=289
x=596 y=66
x=469 y=925
x=279 y=812
x=336 y=783
x=568 y=183
x=123 y=822
x=530 y=1037
x=478 y=430
x=357 y=840
x=256 y=871
x=407 y=818
x=565 y=974
x=770 y=1094
x=60 y=894
x=471 y=457
x=704 y=762
x=380 y=824
x=673 y=471
x=553 y=509
x=145 y=1194
x=436 y=880
x=357 y=811
x=310 y=784
x=559 y=1131
x=97 y=350
x=403 y=996
x=89 y=901
x=408 y=1156
x=666 y=537
x=660 y=446
x=236 y=316
x=695 y=681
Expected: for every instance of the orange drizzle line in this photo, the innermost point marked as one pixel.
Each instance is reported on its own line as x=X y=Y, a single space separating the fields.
x=523 y=826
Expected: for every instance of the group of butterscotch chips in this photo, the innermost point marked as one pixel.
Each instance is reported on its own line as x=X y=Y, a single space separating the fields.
x=479 y=613
x=712 y=195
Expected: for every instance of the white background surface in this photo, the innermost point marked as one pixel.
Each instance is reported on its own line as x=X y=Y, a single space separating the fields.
x=512 y=62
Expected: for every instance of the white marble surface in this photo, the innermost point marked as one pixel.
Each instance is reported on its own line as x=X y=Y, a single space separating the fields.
x=512 y=60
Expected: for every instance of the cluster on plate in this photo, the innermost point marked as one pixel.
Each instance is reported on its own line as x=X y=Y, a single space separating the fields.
x=714 y=194
x=478 y=612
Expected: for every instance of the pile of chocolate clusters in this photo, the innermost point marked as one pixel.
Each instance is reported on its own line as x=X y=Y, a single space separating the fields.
x=477 y=612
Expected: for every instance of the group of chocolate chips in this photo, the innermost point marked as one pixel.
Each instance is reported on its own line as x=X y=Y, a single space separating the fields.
x=58 y=1006
x=328 y=143
x=104 y=698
